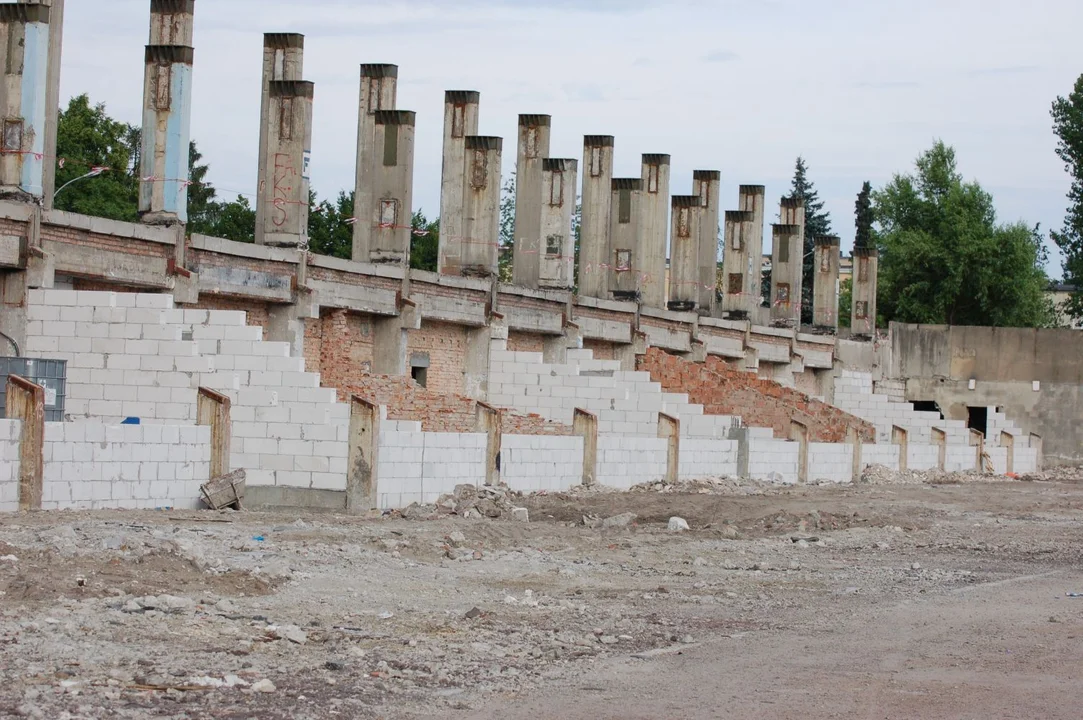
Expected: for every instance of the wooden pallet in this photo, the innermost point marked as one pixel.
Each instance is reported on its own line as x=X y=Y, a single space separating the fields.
x=224 y=491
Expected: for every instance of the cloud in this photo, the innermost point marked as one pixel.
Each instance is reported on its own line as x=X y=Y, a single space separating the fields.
x=722 y=56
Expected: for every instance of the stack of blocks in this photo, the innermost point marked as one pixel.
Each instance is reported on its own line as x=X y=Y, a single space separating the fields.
x=418 y=467
x=10 y=432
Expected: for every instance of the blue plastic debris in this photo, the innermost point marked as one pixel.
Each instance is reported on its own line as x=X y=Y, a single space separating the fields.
x=258 y=538
x=130 y=421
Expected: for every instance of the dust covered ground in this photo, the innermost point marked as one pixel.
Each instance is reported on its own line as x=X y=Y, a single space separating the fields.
x=910 y=596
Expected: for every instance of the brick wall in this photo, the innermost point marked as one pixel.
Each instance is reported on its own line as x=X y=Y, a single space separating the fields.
x=525 y=342
x=765 y=403
x=255 y=311
x=602 y=350
x=445 y=345
x=338 y=345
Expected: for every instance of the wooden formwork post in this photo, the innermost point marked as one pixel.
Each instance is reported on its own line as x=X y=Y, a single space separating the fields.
x=977 y=441
x=669 y=428
x=940 y=439
x=1007 y=441
x=212 y=408
x=585 y=425
x=853 y=436
x=799 y=434
x=362 y=481
x=489 y=421
x=1036 y=443
x=26 y=402
x=900 y=437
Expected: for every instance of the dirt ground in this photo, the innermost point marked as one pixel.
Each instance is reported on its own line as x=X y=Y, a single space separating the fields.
x=910 y=597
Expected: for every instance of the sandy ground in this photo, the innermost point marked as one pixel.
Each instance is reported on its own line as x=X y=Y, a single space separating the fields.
x=896 y=600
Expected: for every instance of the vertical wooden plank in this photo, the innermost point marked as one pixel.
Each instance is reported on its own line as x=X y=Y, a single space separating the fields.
x=1036 y=442
x=669 y=428
x=900 y=437
x=940 y=439
x=1007 y=441
x=977 y=441
x=213 y=409
x=362 y=481
x=26 y=402
x=489 y=421
x=585 y=425
x=853 y=436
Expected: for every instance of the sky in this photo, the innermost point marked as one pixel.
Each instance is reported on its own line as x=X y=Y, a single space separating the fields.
x=859 y=88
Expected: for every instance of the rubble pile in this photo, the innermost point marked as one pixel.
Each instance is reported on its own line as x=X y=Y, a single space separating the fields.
x=471 y=502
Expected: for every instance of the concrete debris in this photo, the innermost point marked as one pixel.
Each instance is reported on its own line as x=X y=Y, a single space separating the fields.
x=520 y=514
x=619 y=521
x=264 y=686
x=288 y=632
x=881 y=475
x=677 y=524
x=469 y=501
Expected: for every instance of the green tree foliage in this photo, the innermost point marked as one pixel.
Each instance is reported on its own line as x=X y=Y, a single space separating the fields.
x=846 y=302
x=817 y=223
x=864 y=218
x=88 y=138
x=330 y=231
x=1068 y=125
x=944 y=258
x=201 y=194
x=505 y=251
x=424 y=242
x=234 y=220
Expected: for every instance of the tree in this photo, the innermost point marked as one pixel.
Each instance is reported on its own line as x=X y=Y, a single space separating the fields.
x=230 y=220
x=817 y=223
x=846 y=302
x=201 y=193
x=330 y=230
x=863 y=218
x=506 y=249
x=1068 y=126
x=424 y=242
x=88 y=138
x=944 y=258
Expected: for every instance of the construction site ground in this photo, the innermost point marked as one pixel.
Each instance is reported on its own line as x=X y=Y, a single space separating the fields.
x=907 y=596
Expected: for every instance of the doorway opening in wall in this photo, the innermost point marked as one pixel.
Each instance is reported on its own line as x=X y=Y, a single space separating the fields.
x=977 y=418
x=927 y=406
x=419 y=368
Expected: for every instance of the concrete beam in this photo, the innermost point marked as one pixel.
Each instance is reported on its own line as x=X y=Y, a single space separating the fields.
x=109 y=265
x=239 y=281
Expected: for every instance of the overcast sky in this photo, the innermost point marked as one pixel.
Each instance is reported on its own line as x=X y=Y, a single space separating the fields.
x=858 y=87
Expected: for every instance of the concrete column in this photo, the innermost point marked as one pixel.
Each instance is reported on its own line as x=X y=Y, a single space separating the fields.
x=379 y=84
x=460 y=122
x=24 y=62
x=707 y=184
x=786 y=254
x=283 y=59
x=390 y=191
x=389 y=339
x=626 y=196
x=594 y=255
x=533 y=149
x=940 y=440
x=752 y=200
x=557 y=204
x=684 y=275
x=285 y=182
x=52 y=96
x=863 y=317
x=825 y=282
x=167 y=114
x=799 y=434
x=901 y=438
x=481 y=206
x=737 y=297
x=669 y=428
x=585 y=425
x=362 y=482
x=476 y=363
x=651 y=264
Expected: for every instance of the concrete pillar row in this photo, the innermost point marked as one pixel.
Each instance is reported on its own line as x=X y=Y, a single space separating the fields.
x=379 y=86
x=594 y=257
x=24 y=38
x=533 y=149
x=460 y=122
x=283 y=60
x=654 y=227
x=285 y=182
x=557 y=254
x=737 y=297
x=167 y=114
x=626 y=197
x=390 y=190
x=707 y=184
x=825 y=282
x=786 y=268
x=684 y=275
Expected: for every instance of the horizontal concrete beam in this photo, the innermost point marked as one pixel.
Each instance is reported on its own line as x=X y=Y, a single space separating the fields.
x=815 y=358
x=369 y=300
x=770 y=352
x=104 y=226
x=461 y=311
x=625 y=306
x=667 y=339
x=243 y=249
x=110 y=265
x=740 y=326
x=242 y=282
x=533 y=320
x=455 y=281
x=608 y=330
x=689 y=318
x=787 y=333
x=277 y=496
x=722 y=345
x=554 y=296
x=11 y=251
x=388 y=270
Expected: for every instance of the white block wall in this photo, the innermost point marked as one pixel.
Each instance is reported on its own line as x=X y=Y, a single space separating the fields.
x=703 y=458
x=1025 y=459
x=922 y=457
x=770 y=459
x=415 y=466
x=126 y=358
x=530 y=463
x=627 y=403
x=830 y=462
x=10 y=432
x=883 y=454
x=960 y=457
x=92 y=467
x=627 y=461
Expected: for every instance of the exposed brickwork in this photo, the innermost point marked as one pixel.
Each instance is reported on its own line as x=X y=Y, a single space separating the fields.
x=255 y=310
x=338 y=345
x=763 y=403
x=445 y=345
x=105 y=286
x=602 y=350
x=525 y=342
